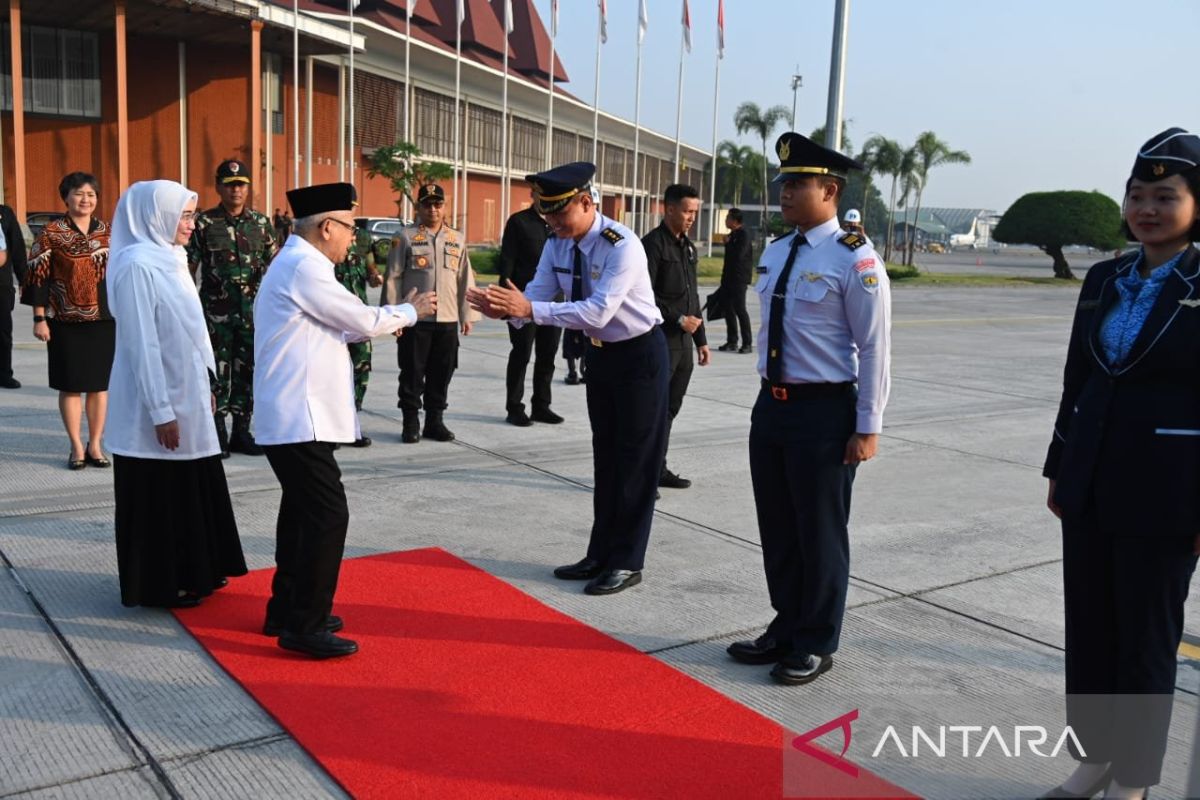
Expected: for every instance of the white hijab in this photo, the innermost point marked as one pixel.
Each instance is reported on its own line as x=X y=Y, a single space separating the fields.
x=143 y=233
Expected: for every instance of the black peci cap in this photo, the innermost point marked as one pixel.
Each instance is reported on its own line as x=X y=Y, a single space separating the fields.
x=1172 y=152
x=309 y=201
x=799 y=156
x=232 y=171
x=554 y=188
x=430 y=192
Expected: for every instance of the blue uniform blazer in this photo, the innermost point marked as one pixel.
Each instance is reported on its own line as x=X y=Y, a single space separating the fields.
x=1127 y=438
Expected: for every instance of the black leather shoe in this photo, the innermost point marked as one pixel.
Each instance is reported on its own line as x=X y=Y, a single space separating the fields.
x=1096 y=788
x=9 y=383
x=363 y=441
x=572 y=378
x=434 y=429
x=318 y=645
x=185 y=600
x=728 y=347
x=333 y=624
x=763 y=650
x=95 y=461
x=613 y=581
x=243 y=442
x=518 y=418
x=583 y=570
x=669 y=480
x=801 y=669
x=545 y=415
x=746 y=348
x=222 y=434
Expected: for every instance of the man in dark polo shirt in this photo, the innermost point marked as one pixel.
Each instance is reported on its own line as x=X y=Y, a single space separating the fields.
x=671 y=259
x=525 y=236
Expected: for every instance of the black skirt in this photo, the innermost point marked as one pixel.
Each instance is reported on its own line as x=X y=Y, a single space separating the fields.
x=175 y=528
x=81 y=355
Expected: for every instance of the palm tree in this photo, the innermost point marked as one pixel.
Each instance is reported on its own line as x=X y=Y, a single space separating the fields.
x=738 y=161
x=750 y=118
x=888 y=159
x=869 y=158
x=910 y=183
x=932 y=152
x=818 y=136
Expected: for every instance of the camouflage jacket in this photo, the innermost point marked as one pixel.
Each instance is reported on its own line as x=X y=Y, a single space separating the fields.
x=354 y=272
x=231 y=255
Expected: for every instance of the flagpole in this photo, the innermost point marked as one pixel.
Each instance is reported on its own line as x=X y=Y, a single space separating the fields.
x=295 y=93
x=408 y=12
x=596 y=91
x=350 y=93
x=712 y=187
x=679 y=104
x=458 y=21
x=504 y=127
x=550 y=113
x=637 y=116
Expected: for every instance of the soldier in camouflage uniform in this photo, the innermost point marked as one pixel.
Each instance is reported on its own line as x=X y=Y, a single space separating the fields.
x=230 y=249
x=356 y=273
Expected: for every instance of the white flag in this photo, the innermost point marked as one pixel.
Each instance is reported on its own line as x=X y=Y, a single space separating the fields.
x=687 y=27
x=412 y=4
x=720 y=28
x=508 y=16
x=643 y=20
x=554 y=17
x=462 y=12
x=603 y=22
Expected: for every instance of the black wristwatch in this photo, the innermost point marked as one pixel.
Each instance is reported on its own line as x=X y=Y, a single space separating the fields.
x=38 y=318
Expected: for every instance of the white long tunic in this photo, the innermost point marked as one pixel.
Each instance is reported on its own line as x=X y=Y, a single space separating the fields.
x=303 y=376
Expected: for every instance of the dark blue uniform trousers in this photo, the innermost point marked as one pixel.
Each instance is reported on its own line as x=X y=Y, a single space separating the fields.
x=1124 y=598
x=627 y=406
x=802 y=496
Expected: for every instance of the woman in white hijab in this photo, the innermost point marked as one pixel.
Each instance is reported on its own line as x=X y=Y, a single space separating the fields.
x=177 y=538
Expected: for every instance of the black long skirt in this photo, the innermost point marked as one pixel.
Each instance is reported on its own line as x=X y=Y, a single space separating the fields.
x=175 y=528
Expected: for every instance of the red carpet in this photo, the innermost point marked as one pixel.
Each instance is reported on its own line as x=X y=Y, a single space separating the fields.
x=466 y=687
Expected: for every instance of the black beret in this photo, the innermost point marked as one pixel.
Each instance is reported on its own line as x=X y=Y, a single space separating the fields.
x=1169 y=153
x=554 y=188
x=311 y=200
x=799 y=156
x=430 y=191
x=232 y=171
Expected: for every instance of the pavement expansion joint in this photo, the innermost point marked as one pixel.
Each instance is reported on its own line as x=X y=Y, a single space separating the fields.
x=245 y=744
x=57 y=788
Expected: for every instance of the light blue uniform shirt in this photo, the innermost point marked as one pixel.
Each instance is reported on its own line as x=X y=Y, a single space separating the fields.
x=839 y=317
x=618 y=300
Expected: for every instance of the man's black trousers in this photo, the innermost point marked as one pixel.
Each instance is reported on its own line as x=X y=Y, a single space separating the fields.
x=542 y=341
x=427 y=356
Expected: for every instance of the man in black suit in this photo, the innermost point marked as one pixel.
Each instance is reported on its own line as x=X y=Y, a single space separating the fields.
x=735 y=277
x=13 y=265
x=525 y=235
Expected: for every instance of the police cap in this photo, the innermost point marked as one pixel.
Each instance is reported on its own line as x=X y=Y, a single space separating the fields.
x=312 y=200
x=1171 y=152
x=430 y=193
x=232 y=171
x=554 y=188
x=800 y=156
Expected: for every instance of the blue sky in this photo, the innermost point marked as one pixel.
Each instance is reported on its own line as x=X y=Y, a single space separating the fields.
x=1044 y=94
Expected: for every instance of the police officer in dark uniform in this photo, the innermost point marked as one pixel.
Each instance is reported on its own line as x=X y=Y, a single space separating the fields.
x=230 y=250
x=525 y=235
x=671 y=258
x=599 y=264
x=1124 y=472
x=824 y=360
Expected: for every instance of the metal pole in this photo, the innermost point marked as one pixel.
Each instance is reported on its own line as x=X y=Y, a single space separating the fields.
x=637 y=132
x=308 y=115
x=350 y=91
x=458 y=126
x=295 y=93
x=550 y=112
x=504 y=122
x=596 y=94
x=712 y=186
x=837 y=76
x=408 y=95
x=679 y=104
x=797 y=82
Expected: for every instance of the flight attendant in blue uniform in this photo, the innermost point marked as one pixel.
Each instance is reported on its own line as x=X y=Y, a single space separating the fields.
x=1124 y=470
x=824 y=358
x=600 y=265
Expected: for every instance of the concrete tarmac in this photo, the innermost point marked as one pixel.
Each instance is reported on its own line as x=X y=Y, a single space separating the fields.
x=955 y=604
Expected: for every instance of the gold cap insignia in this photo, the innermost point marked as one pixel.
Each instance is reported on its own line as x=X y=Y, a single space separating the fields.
x=233 y=167
x=785 y=150
x=1159 y=169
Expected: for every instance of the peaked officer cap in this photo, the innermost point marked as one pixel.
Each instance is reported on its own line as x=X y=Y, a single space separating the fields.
x=554 y=188
x=799 y=156
x=1169 y=153
x=232 y=171
x=312 y=200
x=430 y=191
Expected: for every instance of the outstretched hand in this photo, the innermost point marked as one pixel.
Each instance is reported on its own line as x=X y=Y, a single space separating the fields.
x=500 y=301
x=425 y=303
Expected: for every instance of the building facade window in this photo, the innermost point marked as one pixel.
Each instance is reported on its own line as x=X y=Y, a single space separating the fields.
x=565 y=147
x=528 y=145
x=433 y=118
x=61 y=70
x=378 y=111
x=483 y=137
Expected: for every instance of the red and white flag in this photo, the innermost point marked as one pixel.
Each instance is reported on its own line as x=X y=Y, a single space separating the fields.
x=643 y=20
x=603 y=22
x=720 y=28
x=687 y=27
x=554 y=17
x=462 y=12
x=412 y=5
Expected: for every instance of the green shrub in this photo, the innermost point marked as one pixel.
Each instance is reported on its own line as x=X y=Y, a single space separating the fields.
x=486 y=261
x=898 y=272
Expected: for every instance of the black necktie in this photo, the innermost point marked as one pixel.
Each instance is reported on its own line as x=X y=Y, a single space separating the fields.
x=577 y=276
x=775 y=330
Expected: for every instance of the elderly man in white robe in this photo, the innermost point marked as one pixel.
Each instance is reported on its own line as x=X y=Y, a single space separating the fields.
x=304 y=405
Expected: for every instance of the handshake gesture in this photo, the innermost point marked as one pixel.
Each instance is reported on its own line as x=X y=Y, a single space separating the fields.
x=500 y=302
x=424 y=303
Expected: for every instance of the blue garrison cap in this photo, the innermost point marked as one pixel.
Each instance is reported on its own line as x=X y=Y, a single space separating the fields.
x=554 y=188
x=800 y=156
x=1171 y=152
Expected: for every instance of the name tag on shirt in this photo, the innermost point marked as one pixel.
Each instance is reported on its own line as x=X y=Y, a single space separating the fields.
x=563 y=270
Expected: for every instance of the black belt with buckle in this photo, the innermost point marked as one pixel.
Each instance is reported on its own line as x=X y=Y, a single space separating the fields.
x=594 y=342
x=794 y=391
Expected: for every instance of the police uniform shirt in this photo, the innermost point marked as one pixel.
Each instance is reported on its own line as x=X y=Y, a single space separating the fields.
x=618 y=300
x=303 y=377
x=431 y=262
x=838 y=324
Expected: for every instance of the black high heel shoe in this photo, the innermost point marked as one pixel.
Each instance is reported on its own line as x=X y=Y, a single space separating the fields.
x=1099 y=785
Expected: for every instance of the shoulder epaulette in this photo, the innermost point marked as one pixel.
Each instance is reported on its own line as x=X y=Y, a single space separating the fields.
x=852 y=240
x=612 y=236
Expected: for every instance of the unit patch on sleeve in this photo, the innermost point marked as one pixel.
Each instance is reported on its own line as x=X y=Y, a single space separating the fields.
x=865 y=264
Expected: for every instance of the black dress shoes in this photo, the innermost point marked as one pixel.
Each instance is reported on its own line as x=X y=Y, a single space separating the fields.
x=9 y=383
x=333 y=624
x=583 y=570
x=545 y=415
x=746 y=348
x=318 y=645
x=519 y=418
x=763 y=650
x=613 y=581
x=801 y=669
x=572 y=378
x=728 y=347
x=410 y=436
x=1096 y=788
x=669 y=480
x=434 y=429
x=363 y=441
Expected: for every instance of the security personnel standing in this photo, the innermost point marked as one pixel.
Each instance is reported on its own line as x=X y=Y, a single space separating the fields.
x=355 y=273
x=525 y=235
x=735 y=277
x=824 y=353
x=230 y=249
x=429 y=257
x=600 y=265
x=671 y=259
